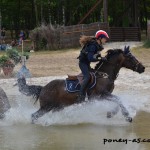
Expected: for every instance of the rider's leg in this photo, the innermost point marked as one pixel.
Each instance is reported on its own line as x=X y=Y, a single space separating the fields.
x=85 y=71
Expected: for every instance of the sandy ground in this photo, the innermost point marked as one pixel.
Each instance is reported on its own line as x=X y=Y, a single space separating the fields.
x=63 y=62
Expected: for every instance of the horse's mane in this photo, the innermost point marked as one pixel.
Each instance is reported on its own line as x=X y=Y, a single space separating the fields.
x=110 y=53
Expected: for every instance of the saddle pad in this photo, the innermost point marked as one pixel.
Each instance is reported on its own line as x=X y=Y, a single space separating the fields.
x=74 y=85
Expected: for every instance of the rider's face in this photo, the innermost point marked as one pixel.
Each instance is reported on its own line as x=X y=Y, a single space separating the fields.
x=103 y=40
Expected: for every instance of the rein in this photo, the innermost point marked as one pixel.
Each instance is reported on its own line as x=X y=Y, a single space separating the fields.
x=135 y=67
x=105 y=75
x=99 y=67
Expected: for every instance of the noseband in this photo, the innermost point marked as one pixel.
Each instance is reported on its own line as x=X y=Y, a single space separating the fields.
x=135 y=66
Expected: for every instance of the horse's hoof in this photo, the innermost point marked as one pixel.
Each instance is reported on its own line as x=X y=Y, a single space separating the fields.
x=129 y=119
x=33 y=120
x=109 y=114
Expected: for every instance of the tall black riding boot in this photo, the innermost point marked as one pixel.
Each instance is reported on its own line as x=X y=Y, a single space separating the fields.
x=80 y=98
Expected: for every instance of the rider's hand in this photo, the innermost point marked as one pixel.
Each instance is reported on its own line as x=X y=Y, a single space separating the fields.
x=98 y=56
x=104 y=59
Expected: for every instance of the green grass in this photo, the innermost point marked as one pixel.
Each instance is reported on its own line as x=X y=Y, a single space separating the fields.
x=147 y=44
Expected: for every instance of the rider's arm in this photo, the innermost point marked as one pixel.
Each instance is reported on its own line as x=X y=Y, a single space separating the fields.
x=92 y=53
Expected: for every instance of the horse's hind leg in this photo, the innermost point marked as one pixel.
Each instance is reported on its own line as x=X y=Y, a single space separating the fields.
x=38 y=114
x=113 y=112
x=125 y=113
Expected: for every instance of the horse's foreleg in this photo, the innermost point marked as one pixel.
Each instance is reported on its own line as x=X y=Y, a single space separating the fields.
x=115 y=99
x=125 y=113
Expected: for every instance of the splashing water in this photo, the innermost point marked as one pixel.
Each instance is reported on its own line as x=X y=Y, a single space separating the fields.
x=131 y=88
x=89 y=112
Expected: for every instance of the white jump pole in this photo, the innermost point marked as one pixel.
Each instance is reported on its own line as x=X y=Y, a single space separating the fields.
x=23 y=57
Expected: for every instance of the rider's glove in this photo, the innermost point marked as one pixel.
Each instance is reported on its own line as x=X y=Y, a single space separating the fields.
x=103 y=59
x=98 y=56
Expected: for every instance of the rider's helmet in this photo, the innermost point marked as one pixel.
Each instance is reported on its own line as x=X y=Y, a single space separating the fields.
x=101 y=34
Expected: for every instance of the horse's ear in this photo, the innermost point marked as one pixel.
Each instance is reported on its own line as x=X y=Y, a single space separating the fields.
x=127 y=50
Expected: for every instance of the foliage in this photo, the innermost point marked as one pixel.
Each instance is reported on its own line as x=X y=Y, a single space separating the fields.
x=147 y=43
x=25 y=54
x=12 y=57
x=5 y=61
x=45 y=37
x=29 y=14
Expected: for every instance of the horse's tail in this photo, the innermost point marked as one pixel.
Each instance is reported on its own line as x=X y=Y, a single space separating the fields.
x=35 y=91
x=29 y=90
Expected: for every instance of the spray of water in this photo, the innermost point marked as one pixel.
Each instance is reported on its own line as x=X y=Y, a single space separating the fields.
x=131 y=88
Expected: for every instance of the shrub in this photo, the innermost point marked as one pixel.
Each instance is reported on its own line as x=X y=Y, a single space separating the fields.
x=147 y=43
x=46 y=37
x=5 y=61
x=13 y=57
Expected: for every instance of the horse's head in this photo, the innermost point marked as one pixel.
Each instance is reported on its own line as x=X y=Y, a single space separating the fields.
x=131 y=62
x=116 y=59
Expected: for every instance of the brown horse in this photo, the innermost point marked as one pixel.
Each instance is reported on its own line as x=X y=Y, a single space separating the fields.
x=54 y=95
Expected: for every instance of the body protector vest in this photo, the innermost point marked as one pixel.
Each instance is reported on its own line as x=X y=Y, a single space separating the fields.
x=84 y=50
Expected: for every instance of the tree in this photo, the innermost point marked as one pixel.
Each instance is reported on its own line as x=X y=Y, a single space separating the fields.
x=18 y=14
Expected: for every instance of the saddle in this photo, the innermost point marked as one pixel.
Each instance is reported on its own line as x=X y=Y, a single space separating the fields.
x=73 y=83
x=80 y=77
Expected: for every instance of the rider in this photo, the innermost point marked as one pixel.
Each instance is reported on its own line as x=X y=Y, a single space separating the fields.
x=90 y=53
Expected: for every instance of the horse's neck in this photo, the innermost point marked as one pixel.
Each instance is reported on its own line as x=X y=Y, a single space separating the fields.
x=111 y=69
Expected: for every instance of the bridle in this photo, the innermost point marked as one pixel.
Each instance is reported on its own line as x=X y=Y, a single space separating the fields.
x=135 y=66
x=129 y=56
x=105 y=75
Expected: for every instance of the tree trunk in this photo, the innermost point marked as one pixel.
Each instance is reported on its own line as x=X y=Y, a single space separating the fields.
x=145 y=14
x=36 y=13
